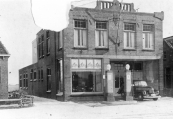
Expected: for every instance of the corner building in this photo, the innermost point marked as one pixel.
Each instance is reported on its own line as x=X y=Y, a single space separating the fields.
x=111 y=33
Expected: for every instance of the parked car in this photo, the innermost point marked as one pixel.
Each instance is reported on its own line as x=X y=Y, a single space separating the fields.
x=143 y=91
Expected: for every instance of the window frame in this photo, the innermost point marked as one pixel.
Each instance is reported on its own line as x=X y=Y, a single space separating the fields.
x=80 y=29
x=49 y=81
x=48 y=42
x=100 y=30
x=150 y=47
x=87 y=70
x=129 y=32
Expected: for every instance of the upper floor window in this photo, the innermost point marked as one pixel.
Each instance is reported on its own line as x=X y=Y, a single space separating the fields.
x=80 y=33
x=60 y=38
x=164 y=55
x=48 y=42
x=24 y=80
x=41 y=47
x=129 y=35
x=101 y=35
x=148 y=37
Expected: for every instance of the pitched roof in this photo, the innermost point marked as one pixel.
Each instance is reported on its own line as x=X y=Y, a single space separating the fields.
x=3 y=50
x=169 y=41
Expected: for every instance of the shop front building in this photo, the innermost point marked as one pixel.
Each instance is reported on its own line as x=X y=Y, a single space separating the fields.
x=117 y=36
x=112 y=33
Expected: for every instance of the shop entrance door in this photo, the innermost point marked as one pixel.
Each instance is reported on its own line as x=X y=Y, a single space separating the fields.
x=119 y=71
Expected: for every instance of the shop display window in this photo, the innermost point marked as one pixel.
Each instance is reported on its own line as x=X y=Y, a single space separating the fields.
x=86 y=81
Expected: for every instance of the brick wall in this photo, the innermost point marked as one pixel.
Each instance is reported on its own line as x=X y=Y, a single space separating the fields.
x=4 y=78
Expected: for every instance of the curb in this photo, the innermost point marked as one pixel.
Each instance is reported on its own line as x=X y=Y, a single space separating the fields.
x=121 y=102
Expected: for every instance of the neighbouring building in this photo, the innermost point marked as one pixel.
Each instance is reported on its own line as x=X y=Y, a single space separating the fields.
x=4 y=55
x=168 y=65
x=72 y=63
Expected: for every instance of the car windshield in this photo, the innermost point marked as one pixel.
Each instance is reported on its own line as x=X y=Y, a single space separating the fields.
x=140 y=83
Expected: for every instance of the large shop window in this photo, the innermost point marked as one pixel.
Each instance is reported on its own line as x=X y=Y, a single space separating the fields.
x=129 y=35
x=86 y=75
x=101 y=35
x=80 y=33
x=148 y=37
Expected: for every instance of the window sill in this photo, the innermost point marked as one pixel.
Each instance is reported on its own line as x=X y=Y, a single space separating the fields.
x=30 y=80
x=73 y=94
x=80 y=48
x=101 y=48
x=48 y=54
x=59 y=94
x=49 y=91
x=126 y=49
x=60 y=48
x=149 y=50
x=35 y=80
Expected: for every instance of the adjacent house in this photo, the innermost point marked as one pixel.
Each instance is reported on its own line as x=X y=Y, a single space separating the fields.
x=4 y=55
x=168 y=65
x=72 y=63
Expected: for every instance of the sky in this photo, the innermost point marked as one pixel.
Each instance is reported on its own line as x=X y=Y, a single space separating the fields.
x=18 y=28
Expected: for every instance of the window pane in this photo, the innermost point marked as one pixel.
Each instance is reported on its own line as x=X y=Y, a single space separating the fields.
x=125 y=39
x=132 y=39
x=97 y=38
x=105 y=38
x=80 y=23
x=147 y=27
x=75 y=37
x=86 y=82
x=129 y=26
x=101 y=25
x=84 y=37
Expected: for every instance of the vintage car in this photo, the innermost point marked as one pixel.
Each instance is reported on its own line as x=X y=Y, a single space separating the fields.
x=143 y=91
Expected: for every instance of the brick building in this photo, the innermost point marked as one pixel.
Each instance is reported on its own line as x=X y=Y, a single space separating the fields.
x=168 y=65
x=4 y=55
x=112 y=33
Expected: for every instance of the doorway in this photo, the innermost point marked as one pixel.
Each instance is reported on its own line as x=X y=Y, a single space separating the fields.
x=119 y=73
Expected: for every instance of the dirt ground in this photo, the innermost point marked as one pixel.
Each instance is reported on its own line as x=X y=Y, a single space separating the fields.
x=51 y=109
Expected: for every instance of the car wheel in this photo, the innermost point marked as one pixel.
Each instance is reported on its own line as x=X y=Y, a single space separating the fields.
x=155 y=99
x=140 y=97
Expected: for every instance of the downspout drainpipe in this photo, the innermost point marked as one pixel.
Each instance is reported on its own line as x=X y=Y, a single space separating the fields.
x=63 y=64
x=55 y=65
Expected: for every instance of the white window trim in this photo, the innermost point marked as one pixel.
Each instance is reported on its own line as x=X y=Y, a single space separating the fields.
x=129 y=31
x=143 y=42
x=99 y=29
x=78 y=28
